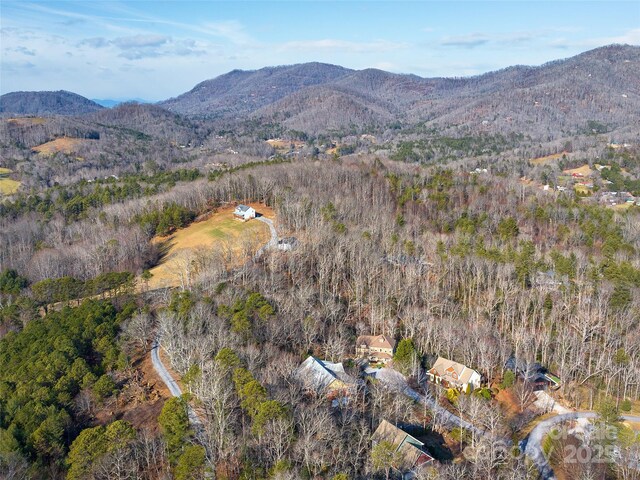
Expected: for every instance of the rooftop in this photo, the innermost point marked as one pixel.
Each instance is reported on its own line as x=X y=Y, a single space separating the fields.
x=380 y=341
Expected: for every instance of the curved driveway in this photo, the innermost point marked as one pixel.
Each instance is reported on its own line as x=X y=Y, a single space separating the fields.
x=273 y=242
x=533 y=443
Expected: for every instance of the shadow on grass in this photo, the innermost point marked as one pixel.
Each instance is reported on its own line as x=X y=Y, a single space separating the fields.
x=163 y=249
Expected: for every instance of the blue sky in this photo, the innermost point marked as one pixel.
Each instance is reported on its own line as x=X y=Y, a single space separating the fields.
x=158 y=49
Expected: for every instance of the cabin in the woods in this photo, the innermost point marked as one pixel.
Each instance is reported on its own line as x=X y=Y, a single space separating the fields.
x=243 y=212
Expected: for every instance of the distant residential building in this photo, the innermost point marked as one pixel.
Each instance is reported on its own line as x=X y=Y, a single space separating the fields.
x=550 y=279
x=244 y=212
x=325 y=378
x=375 y=348
x=411 y=450
x=453 y=374
x=287 y=243
x=538 y=376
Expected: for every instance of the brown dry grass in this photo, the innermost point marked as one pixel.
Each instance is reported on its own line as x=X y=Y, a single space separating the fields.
x=25 y=121
x=547 y=158
x=585 y=170
x=63 y=144
x=280 y=144
x=219 y=231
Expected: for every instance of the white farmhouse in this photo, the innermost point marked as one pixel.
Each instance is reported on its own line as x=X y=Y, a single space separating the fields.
x=243 y=212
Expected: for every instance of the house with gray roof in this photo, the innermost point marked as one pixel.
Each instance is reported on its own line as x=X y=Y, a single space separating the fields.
x=324 y=378
x=243 y=212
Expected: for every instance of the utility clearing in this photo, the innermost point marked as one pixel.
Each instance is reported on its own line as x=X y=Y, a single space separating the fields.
x=234 y=241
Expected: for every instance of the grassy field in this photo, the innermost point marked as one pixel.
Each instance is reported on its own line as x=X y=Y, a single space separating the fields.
x=280 y=144
x=25 y=121
x=218 y=232
x=582 y=189
x=547 y=159
x=63 y=144
x=585 y=170
x=7 y=185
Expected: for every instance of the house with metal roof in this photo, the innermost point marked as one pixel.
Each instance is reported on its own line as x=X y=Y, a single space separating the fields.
x=243 y=212
x=322 y=377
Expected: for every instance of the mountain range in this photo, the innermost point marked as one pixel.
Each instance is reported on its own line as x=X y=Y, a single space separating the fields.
x=599 y=87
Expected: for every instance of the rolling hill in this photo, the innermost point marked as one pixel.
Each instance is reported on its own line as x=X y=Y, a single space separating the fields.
x=46 y=103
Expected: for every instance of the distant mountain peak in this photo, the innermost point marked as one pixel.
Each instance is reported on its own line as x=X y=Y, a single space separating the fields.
x=60 y=102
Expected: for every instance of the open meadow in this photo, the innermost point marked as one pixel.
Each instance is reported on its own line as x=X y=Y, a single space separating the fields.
x=233 y=238
x=8 y=186
x=63 y=144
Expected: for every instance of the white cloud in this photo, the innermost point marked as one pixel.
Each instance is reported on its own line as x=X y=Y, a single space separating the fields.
x=630 y=37
x=140 y=41
x=343 y=46
x=471 y=40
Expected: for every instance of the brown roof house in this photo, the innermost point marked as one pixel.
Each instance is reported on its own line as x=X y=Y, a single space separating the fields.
x=453 y=374
x=376 y=348
x=410 y=449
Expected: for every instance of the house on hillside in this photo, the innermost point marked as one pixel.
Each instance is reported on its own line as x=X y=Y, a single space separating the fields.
x=325 y=378
x=243 y=212
x=549 y=279
x=535 y=374
x=375 y=348
x=453 y=374
x=410 y=450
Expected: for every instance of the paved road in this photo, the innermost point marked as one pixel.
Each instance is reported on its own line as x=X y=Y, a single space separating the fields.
x=533 y=443
x=171 y=384
x=394 y=380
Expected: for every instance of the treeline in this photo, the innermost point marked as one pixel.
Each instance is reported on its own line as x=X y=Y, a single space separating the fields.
x=53 y=290
x=620 y=182
x=75 y=201
x=165 y=219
